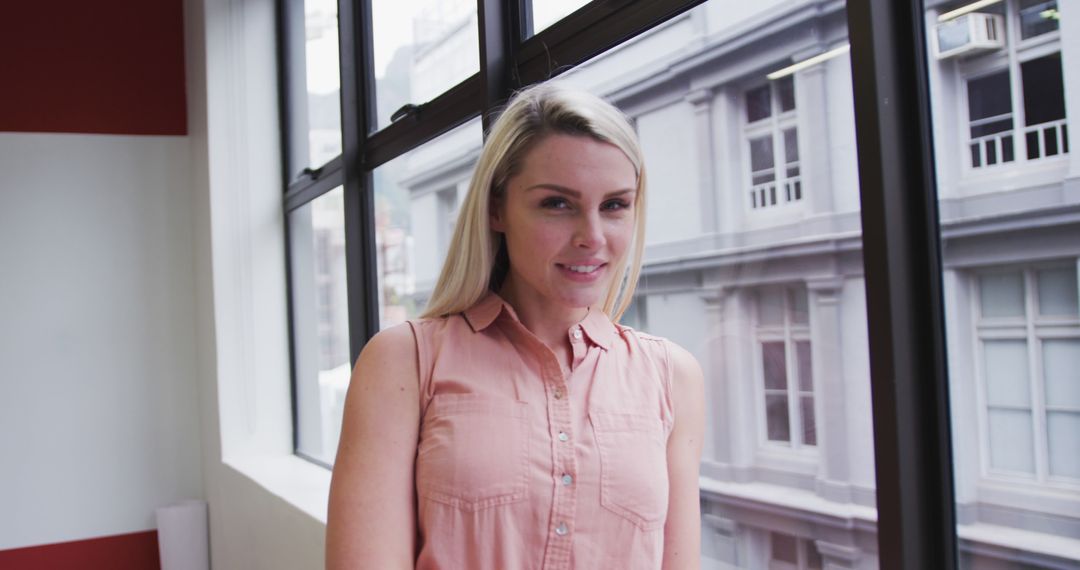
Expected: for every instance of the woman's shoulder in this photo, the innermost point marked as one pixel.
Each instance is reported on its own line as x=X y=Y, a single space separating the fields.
x=680 y=361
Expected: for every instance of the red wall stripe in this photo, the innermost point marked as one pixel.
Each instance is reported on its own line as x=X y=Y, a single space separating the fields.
x=136 y=551
x=103 y=66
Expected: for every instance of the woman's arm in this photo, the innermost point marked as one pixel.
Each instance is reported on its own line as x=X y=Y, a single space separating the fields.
x=371 y=521
x=682 y=532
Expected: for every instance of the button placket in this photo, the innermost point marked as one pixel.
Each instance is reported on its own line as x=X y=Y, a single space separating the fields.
x=561 y=522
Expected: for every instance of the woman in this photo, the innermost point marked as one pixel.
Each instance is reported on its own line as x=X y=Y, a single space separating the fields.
x=515 y=425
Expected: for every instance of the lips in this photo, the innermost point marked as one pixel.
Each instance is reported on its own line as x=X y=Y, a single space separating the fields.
x=582 y=271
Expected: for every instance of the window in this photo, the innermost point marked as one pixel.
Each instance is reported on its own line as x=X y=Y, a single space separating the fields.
x=772 y=140
x=787 y=552
x=1001 y=130
x=713 y=290
x=1029 y=339
x=783 y=338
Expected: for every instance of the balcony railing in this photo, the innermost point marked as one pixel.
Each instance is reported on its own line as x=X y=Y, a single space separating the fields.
x=1042 y=141
x=1047 y=139
x=765 y=195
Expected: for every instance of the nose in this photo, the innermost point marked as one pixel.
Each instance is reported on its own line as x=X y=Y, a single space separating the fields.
x=589 y=234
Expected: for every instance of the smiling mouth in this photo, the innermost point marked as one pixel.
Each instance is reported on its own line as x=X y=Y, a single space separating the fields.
x=582 y=269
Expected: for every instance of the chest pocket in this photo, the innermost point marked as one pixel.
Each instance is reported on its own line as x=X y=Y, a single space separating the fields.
x=473 y=451
x=633 y=466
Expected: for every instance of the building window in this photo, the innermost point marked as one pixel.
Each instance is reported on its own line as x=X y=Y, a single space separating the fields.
x=787 y=552
x=783 y=341
x=773 y=144
x=1028 y=329
x=1004 y=131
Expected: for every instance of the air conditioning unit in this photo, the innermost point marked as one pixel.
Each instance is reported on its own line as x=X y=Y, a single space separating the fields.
x=969 y=34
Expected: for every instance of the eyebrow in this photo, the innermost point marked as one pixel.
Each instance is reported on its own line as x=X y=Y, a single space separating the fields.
x=574 y=193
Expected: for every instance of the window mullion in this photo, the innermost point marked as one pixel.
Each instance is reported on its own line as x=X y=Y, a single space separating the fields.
x=1038 y=407
x=357 y=114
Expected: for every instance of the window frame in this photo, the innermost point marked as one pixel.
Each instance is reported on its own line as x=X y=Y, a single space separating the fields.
x=789 y=332
x=775 y=126
x=1027 y=329
x=912 y=441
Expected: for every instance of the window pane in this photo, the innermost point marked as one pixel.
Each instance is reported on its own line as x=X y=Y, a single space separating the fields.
x=323 y=80
x=1061 y=369
x=800 y=313
x=761 y=153
x=791 y=146
x=695 y=131
x=1062 y=429
x=989 y=96
x=1002 y=295
x=1007 y=373
x=785 y=92
x=809 y=421
x=1011 y=441
x=1044 y=92
x=547 y=12
x=806 y=375
x=784 y=548
x=421 y=49
x=416 y=197
x=758 y=105
x=1009 y=332
x=772 y=354
x=320 y=322
x=770 y=306
x=1058 y=294
x=776 y=417
x=1037 y=17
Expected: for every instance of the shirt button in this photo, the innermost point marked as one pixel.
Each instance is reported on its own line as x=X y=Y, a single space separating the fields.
x=563 y=436
x=558 y=393
x=577 y=333
x=562 y=529
x=567 y=479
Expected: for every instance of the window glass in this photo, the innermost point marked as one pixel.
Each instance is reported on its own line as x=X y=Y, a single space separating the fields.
x=1010 y=440
x=323 y=81
x=1006 y=373
x=758 y=104
x=417 y=199
x=1058 y=291
x=734 y=237
x=1002 y=295
x=547 y=12
x=1012 y=324
x=320 y=322
x=1038 y=17
x=421 y=49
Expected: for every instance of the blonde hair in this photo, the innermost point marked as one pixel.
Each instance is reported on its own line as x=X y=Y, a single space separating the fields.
x=477 y=261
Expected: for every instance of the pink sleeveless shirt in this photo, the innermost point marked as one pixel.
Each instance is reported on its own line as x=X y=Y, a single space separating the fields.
x=522 y=467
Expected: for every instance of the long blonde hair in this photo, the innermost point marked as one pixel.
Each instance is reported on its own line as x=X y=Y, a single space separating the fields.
x=477 y=260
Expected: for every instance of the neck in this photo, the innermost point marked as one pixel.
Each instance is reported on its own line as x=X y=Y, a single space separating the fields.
x=549 y=323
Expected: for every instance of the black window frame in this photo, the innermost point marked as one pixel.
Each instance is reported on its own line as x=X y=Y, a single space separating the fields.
x=901 y=238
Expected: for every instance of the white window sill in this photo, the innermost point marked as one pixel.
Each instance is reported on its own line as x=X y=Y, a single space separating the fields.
x=1022 y=540
x=296 y=481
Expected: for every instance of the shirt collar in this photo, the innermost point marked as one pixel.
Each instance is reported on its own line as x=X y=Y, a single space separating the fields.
x=596 y=325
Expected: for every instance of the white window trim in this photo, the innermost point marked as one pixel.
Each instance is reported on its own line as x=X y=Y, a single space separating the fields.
x=774 y=125
x=789 y=333
x=1034 y=330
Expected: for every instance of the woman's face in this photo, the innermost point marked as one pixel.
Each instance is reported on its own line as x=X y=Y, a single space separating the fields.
x=568 y=218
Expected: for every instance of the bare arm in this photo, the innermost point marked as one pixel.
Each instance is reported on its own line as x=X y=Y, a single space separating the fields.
x=682 y=532
x=371 y=521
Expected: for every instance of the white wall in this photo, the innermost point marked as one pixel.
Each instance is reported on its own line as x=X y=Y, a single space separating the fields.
x=267 y=507
x=98 y=396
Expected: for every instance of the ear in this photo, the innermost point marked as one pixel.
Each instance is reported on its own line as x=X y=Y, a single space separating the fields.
x=496 y=216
